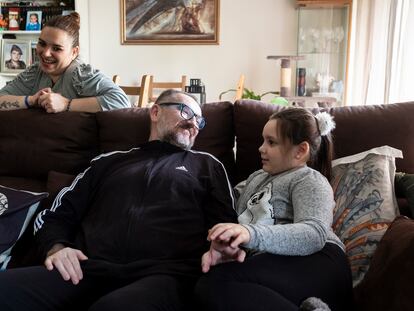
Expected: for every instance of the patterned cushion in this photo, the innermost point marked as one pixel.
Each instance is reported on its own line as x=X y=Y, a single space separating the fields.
x=365 y=203
x=16 y=209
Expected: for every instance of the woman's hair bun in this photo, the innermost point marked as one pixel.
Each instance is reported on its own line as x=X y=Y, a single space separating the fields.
x=75 y=17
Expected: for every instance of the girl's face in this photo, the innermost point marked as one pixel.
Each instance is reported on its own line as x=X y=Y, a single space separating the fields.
x=277 y=155
x=33 y=19
x=55 y=51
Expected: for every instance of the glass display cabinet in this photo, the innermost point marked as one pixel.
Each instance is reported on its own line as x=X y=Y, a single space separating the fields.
x=323 y=40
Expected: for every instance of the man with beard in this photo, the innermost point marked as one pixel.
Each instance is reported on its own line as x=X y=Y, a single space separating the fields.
x=131 y=229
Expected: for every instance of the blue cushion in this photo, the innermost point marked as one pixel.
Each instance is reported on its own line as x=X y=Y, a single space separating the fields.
x=17 y=207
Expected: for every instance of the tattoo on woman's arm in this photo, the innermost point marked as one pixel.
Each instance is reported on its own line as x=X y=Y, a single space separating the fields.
x=8 y=105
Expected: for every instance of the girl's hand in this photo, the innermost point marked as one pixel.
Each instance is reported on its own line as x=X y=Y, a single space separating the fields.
x=233 y=234
x=53 y=102
x=219 y=253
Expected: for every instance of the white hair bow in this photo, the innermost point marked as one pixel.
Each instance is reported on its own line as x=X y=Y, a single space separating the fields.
x=325 y=123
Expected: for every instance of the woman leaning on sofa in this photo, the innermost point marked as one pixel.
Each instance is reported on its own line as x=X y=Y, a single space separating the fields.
x=60 y=81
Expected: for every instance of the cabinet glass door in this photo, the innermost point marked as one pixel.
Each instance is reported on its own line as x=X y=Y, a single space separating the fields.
x=323 y=41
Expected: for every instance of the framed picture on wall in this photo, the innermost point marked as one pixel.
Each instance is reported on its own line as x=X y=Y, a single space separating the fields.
x=170 y=22
x=15 y=55
x=34 y=20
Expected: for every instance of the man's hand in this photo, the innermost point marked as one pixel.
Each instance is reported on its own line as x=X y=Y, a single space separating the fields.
x=234 y=234
x=225 y=241
x=66 y=261
x=221 y=252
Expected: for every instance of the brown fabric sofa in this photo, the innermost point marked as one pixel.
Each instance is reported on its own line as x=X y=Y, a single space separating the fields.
x=40 y=152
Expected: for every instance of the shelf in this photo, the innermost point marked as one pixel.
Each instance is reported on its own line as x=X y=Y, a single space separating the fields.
x=9 y=74
x=20 y=32
x=318 y=53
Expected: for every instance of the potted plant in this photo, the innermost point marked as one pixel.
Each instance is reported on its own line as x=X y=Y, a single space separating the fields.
x=250 y=94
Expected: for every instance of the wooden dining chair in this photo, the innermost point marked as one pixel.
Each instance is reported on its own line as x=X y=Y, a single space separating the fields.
x=161 y=86
x=240 y=88
x=141 y=91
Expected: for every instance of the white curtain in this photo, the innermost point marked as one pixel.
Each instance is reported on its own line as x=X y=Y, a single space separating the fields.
x=381 y=52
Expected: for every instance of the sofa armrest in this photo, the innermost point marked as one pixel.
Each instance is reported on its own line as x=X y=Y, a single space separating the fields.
x=391 y=264
x=404 y=189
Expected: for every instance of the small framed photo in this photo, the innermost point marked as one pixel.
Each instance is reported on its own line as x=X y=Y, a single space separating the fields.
x=15 y=55
x=34 y=20
x=14 y=18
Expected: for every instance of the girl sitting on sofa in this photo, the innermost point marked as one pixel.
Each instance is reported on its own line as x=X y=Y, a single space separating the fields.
x=60 y=81
x=285 y=215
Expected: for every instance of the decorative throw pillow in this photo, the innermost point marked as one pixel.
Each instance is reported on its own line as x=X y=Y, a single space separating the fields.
x=16 y=209
x=391 y=265
x=25 y=252
x=363 y=187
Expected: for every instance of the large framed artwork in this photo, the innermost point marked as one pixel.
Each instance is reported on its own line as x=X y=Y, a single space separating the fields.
x=170 y=21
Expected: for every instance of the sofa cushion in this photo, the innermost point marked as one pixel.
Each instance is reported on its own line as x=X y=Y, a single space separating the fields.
x=360 y=128
x=22 y=183
x=133 y=126
x=33 y=142
x=365 y=203
x=217 y=137
x=388 y=283
x=16 y=210
x=123 y=129
x=250 y=117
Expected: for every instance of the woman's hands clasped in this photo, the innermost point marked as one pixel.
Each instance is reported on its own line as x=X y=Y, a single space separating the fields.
x=52 y=102
x=48 y=100
x=225 y=245
x=67 y=261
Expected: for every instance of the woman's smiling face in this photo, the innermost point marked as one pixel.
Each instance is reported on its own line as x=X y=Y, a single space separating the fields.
x=55 y=51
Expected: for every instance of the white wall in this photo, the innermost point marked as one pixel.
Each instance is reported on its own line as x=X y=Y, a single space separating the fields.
x=249 y=31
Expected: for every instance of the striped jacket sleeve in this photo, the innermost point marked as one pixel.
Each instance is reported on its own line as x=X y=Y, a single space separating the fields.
x=60 y=223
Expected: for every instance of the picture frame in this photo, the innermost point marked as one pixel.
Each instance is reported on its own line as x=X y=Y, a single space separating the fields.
x=165 y=22
x=34 y=56
x=15 y=55
x=34 y=20
x=14 y=18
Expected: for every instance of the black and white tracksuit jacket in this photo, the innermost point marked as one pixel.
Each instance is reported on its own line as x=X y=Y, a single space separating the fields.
x=141 y=212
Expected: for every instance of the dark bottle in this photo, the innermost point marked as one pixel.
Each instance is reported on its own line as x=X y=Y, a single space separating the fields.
x=301 y=81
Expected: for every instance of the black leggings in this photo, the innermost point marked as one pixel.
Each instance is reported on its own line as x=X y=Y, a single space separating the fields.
x=36 y=288
x=275 y=282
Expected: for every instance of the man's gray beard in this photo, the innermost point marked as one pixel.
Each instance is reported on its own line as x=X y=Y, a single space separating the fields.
x=174 y=139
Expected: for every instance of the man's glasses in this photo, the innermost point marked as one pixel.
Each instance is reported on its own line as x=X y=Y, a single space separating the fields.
x=187 y=113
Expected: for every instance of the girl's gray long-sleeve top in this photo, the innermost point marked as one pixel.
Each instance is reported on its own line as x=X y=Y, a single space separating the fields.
x=289 y=213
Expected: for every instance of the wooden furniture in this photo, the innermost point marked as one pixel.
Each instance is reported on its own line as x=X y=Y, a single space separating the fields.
x=324 y=28
x=322 y=3
x=141 y=91
x=311 y=102
x=160 y=86
x=240 y=88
